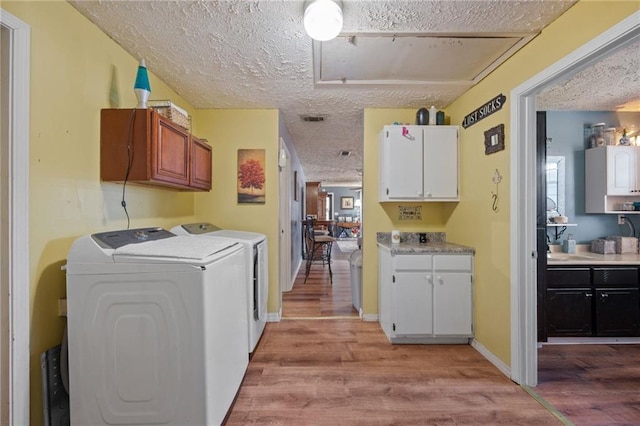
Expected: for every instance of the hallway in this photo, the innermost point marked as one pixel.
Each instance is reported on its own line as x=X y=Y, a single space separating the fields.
x=334 y=369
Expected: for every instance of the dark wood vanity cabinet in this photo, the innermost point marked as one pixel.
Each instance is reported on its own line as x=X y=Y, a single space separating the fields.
x=617 y=301
x=617 y=312
x=569 y=302
x=141 y=146
x=593 y=301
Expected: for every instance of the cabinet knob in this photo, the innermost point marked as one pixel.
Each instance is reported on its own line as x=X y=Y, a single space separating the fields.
x=588 y=295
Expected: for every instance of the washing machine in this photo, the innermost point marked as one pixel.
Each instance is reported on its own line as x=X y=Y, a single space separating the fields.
x=157 y=328
x=257 y=271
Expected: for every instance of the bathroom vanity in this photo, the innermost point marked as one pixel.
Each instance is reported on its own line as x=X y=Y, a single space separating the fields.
x=593 y=295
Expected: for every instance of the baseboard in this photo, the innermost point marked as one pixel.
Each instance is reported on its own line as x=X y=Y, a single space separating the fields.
x=497 y=362
x=591 y=341
x=368 y=317
x=274 y=316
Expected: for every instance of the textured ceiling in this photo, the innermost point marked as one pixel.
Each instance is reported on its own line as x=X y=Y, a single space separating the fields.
x=255 y=54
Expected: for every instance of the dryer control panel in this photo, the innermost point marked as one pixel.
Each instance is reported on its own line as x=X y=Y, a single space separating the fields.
x=200 y=228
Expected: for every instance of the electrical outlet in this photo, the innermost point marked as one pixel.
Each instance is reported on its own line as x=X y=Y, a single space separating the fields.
x=620 y=219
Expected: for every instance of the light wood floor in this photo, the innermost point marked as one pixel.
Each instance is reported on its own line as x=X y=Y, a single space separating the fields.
x=592 y=384
x=343 y=371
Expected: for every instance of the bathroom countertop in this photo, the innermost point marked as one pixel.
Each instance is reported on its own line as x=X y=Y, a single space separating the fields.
x=583 y=256
x=589 y=258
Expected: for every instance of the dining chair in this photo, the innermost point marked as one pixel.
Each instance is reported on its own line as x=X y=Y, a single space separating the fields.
x=318 y=248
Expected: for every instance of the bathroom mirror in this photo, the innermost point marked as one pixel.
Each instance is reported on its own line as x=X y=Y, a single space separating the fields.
x=555 y=186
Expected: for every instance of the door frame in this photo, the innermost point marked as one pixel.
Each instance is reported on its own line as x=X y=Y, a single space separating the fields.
x=18 y=217
x=284 y=221
x=524 y=360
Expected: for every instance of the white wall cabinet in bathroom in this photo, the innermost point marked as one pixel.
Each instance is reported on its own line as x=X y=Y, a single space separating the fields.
x=425 y=298
x=612 y=177
x=419 y=163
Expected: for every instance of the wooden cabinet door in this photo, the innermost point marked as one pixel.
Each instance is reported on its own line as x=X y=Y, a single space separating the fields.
x=201 y=164
x=311 y=198
x=170 y=153
x=413 y=305
x=322 y=206
x=617 y=312
x=569 y=312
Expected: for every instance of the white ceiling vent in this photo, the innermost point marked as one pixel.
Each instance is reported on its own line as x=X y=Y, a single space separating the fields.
x=460 y=59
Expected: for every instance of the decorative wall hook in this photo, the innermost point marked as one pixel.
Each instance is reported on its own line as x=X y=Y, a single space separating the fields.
x=497 y=178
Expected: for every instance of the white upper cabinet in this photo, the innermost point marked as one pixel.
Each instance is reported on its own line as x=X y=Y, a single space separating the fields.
x=419 y=163
x=611 y=178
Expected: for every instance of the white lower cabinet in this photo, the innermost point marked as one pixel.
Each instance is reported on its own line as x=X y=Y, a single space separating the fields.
x=425 y=298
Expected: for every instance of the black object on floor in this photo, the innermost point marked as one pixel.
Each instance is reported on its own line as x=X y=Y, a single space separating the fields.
x=54 y=396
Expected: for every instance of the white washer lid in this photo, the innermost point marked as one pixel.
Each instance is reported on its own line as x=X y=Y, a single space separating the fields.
x=252 y=237
x=178 y=247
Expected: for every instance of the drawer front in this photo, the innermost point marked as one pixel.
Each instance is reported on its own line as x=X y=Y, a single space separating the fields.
x=452 y=262
x=615 y=277
x=568 y=277
x=413 y=262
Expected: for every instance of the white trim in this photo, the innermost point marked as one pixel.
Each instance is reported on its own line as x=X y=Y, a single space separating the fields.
x=274 y=316
x=497 y=362
x=285 y=281
x=369 y=317
x=592 y=341
x=524 y=363
x=19 y=281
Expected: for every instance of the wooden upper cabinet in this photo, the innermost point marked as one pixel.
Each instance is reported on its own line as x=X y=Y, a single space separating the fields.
x=322 y=206
x=170 y=153
x=201 y=161
x=312 y=190
x=144 y=147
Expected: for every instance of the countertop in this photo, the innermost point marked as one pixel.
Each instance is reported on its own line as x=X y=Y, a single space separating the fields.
x=427 y=248
x=585 y=257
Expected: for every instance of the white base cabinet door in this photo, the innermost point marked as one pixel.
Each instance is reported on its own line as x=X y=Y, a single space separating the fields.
x=425 y=298
x=413 y=304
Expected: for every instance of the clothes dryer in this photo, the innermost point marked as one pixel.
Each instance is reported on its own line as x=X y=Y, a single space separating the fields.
x=257 y=271
x=157 y=328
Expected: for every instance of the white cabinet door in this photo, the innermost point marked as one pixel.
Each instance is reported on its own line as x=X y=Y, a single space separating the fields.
x=441 y=162
x=413 y=304
x=452 y=297
x=621 y=170
x=402 y=160
x=419 y=163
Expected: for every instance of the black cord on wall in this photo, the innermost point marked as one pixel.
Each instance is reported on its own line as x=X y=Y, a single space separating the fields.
x=123 y=203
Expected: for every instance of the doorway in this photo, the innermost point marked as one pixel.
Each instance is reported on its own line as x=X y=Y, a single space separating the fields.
x=286 y=281
x=14 y=220
x=524 y=363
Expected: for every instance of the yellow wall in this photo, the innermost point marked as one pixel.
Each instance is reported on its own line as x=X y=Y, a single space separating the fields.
x=587 y=19
x=473 y=222
x=74 y=70
x=227 y=131
x=383 y=217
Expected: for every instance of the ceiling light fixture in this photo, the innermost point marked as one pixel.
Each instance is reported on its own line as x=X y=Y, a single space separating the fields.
x=323 y=19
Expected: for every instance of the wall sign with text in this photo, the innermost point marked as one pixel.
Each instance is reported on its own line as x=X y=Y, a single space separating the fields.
x=494 y=105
